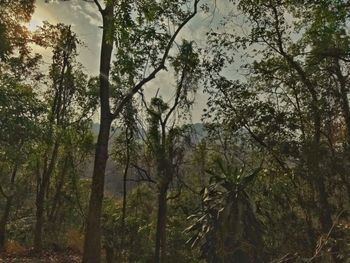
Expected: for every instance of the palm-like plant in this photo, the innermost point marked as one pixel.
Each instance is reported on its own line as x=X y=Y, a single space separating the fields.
x=226 y=227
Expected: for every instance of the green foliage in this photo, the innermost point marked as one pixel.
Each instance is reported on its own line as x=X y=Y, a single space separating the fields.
x=141 y=34
x=226 y=226
x=19 y=112
x=13 y=33
x=138 y=229
x=288 y=114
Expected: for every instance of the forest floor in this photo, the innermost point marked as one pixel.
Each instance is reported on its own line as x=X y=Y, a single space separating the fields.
x=45 y=257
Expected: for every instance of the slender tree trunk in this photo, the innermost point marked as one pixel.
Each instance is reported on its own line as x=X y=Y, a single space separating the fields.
x=40 y=199
x=5 y=216
x=92 y=242
x=3 y=222
x=160 y=248
x=39 y=221
x=344 y=101
x=52 y=215
x=325 y=215
x=125 y=194
x=325 y=218
x=343 y=94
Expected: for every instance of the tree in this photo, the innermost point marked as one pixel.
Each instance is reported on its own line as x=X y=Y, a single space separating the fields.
x=20 y=107
x=124 y=29
x=287 y=101
x=13 y=33
x=20 y=111
x=226 y=226
x=164 y=141
x=70 y=104
x=124 y=153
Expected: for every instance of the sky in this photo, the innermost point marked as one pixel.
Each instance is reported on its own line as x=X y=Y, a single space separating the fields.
x=85 y=20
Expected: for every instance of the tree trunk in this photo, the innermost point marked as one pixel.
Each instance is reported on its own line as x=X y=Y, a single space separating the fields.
x=6 y=214
x=3 y=222
x=52 y=215
x=125 y=177
x=92 y=242
x=40 y=199
x=343 y=94
x=325 y=218
x=160 y=247
x=39 y=221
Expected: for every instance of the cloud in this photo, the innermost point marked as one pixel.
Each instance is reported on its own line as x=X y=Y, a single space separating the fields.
x=85 y=20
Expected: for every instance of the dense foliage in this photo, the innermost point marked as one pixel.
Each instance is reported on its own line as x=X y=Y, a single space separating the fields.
x=263 y=178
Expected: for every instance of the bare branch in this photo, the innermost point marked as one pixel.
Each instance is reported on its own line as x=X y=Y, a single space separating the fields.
x=99 y=6
x=141 y=171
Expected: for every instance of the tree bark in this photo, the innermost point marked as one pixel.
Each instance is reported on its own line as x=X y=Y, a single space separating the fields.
x=343 y=95
x=3 y=222
x=52 y=215
x=125 y=177
x=92 y=242
x=160 y=248
x=6 y=214
x=40 y=198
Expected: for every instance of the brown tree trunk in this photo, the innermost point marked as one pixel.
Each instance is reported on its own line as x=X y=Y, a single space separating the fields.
x=6 y=214
x=344 y=101
x=3 y=222
x=325 y=218
x=40 y=198
x=39 y=221
x=125 y=177
x=52 y=215
x=160 y=247
x=343 y=94
x=92 y=242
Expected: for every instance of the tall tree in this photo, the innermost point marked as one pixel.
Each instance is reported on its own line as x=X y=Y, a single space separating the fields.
x=20 y=110
x=69 y=103
x=139 y=32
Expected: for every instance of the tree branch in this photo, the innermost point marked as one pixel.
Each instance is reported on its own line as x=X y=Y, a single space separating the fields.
x=177 y=97
x=140 y=171
x=99 y=6
x=161 y=66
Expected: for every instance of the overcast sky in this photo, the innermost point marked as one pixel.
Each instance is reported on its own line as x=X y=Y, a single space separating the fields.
x=85 y=21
